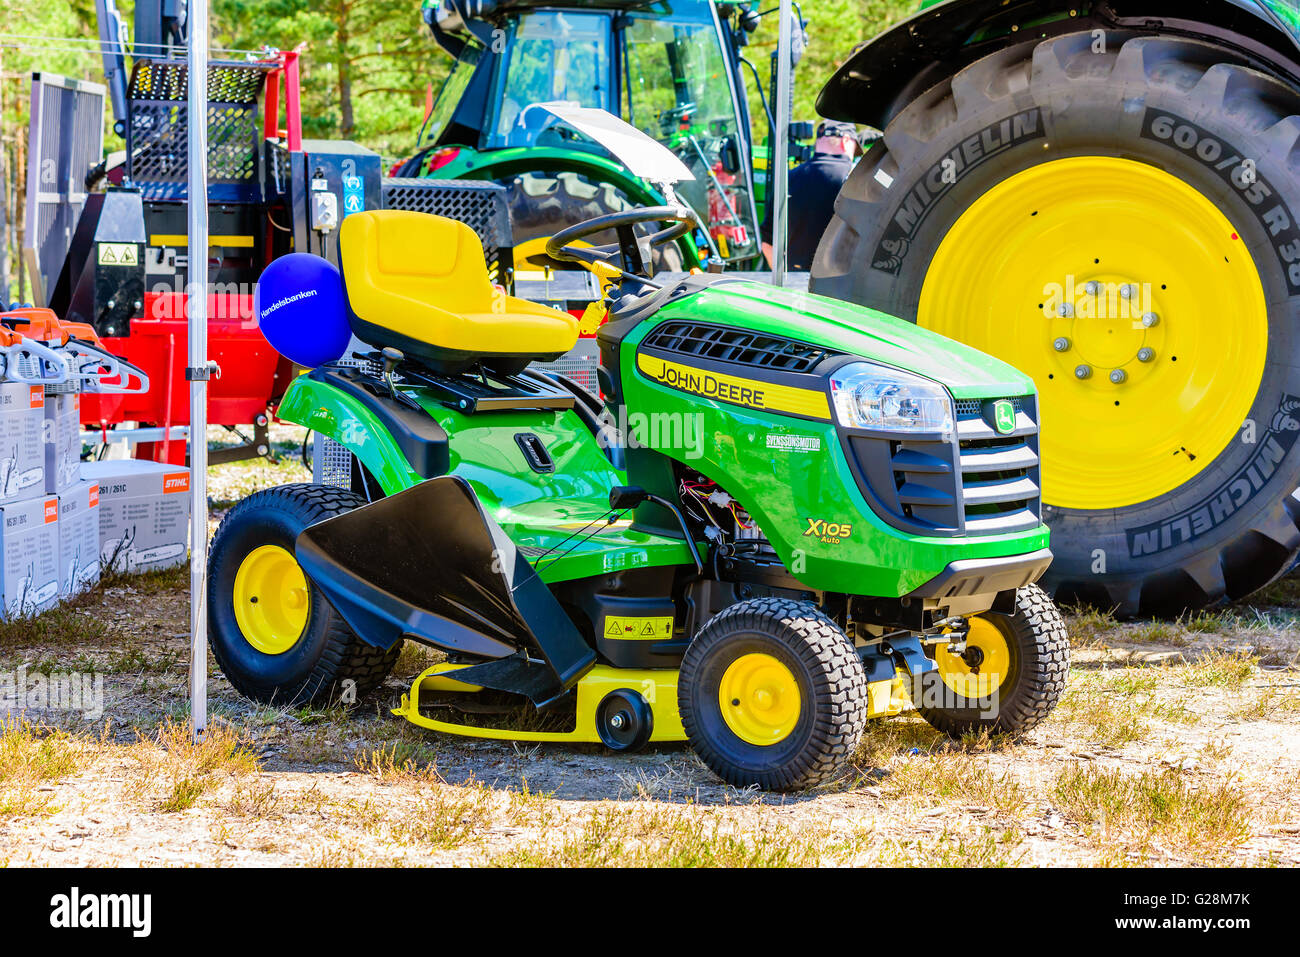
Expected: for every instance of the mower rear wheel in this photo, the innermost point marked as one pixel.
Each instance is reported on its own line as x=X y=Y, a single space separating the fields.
x=1011 y=675
x=275 y=636
x=771 y=693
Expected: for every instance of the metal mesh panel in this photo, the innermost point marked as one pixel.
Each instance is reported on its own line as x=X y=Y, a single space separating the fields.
x=159 y=128
x=331 y=463
x=579 y=364
x=480 y=206
x=66 y=139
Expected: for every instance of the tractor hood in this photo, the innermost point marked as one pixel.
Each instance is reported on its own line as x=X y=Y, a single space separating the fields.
x=851 y=329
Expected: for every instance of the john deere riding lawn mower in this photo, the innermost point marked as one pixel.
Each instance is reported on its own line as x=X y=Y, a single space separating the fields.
x=1106 y=196
x=788 y=514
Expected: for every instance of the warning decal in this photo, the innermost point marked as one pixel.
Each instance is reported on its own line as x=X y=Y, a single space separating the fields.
x=118 y=254
x=638 y=629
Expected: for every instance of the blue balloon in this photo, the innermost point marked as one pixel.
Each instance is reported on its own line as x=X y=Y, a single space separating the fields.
x=299 y=304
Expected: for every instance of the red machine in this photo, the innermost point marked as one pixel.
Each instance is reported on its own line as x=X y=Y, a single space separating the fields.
x=125 y=271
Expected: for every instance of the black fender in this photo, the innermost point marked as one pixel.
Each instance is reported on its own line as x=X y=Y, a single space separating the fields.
x=887 y=72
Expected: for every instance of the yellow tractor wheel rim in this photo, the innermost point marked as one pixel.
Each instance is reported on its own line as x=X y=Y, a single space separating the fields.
x=984 y=667
x=272 y=601
x=1130 y=300
x=760 y=699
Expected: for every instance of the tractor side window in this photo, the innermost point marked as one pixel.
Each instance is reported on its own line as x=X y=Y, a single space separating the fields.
x=439 y=129
x=552 y=55
x=677 y=89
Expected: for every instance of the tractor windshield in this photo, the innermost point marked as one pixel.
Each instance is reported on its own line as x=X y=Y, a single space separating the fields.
x=553 y=55
x=678 y=89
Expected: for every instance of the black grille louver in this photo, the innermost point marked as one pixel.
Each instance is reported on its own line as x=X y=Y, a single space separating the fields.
x=1000 y=487
x=985 y=483
x=726 y=344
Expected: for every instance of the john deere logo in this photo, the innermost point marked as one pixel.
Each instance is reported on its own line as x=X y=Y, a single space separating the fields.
x=1004 y=416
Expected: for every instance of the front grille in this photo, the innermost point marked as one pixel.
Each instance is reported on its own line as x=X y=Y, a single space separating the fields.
x=999 y=473
x=982 y=484
x=726 y=344
x=974 y=408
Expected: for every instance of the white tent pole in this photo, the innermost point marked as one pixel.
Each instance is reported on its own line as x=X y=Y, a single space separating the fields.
x=780 y=172
x=197 y=314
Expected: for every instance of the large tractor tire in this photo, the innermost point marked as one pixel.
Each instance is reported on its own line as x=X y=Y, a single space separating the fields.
x=542 y=205
x=1118 y=220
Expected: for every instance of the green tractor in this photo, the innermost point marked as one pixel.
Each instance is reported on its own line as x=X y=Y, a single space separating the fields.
x=674 y=71
x=787 y=515
x=1104 y=195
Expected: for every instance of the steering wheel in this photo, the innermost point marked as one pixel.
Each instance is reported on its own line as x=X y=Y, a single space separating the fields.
x=628 y=248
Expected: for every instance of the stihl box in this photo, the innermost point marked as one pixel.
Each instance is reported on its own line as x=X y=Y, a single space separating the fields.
x=62 y=441
x=78 y=538
x=22 y=451
x=29 y=555
x=144 y=513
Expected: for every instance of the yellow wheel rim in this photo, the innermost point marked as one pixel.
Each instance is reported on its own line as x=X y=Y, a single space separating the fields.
x=272 y=601
x=760 y=699
x=1036 y=271
x=985 y=666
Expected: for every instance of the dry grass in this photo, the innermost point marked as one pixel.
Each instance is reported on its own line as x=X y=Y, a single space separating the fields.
x=956 y=779
x=658 y=836
x=31 y=756
x=1154 y=813
x=174 y=771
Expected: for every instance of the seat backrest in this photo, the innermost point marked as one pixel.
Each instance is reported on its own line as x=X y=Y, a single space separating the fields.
x=388 y=255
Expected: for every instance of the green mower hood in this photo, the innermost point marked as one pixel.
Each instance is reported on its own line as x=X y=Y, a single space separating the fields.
x=852 y=329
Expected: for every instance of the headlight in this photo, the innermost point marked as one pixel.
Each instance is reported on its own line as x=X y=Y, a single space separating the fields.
x=868 y=396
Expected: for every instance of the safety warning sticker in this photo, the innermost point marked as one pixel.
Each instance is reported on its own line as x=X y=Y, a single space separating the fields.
x=636 y=629
x=118 y=254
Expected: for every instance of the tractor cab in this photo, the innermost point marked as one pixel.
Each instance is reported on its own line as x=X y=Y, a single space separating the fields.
x=671 y=72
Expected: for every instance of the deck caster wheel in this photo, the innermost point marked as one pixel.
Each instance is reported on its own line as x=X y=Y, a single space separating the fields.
x=624 y=720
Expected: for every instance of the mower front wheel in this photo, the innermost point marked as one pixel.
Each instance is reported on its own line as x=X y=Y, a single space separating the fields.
x=1010 y=675
x=274 y=634
x=771 y=693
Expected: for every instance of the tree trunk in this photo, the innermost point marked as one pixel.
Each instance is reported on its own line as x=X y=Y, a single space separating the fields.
x=347 y=123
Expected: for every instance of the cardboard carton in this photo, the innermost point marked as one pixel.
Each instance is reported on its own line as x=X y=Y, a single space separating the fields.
x=78 y=538
x=22 y=448
x=62 y=442
x=144 y=513
x=29 y=555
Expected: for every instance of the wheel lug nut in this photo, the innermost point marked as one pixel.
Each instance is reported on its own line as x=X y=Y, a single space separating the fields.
x=1118 y=375
x=1065 y=310
x=1127 y=291
x=1150 y=319
x=1082 y=372
x=1092 y=287
x=1061 y=344
x=1145 y=354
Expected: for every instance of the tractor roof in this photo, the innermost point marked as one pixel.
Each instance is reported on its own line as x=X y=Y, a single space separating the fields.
x=451 y=14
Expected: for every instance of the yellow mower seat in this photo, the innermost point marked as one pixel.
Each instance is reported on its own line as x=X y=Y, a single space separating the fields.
x=419 y=283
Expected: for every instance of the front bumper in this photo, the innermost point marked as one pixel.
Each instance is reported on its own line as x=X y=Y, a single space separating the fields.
x=985 y=576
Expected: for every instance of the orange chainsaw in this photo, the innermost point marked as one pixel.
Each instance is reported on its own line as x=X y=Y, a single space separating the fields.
x=77 y=347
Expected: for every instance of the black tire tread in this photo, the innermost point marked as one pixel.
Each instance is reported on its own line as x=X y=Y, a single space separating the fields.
x=345 y=655
x=1210 y=80
x=1044 y=668
x=838 y=680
